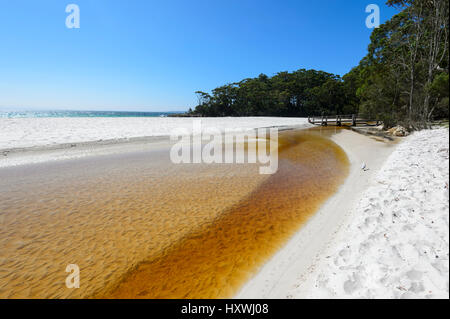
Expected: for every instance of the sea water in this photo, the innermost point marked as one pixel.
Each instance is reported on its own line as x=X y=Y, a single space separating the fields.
x=66 y=113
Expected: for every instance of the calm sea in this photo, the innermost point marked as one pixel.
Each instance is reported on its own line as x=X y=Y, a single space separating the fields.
x=19 y=114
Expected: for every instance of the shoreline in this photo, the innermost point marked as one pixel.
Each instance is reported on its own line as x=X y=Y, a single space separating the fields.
x=293 y=263
x=311 y=168
x=385 y=236
x=149 y=198
x=93 y=145
x=292 y=271
x=396 y=242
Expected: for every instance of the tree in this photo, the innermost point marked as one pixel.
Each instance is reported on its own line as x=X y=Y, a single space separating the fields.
x=403 y=79
x=405 y=56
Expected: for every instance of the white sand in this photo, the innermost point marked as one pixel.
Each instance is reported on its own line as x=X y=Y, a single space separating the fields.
x=391 y=242
x=36 y=140
x=396 y=244
x=380 y=236
x=293 y=263
x=31 y=132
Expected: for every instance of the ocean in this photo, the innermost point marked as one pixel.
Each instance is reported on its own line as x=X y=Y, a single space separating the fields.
x=64 y=113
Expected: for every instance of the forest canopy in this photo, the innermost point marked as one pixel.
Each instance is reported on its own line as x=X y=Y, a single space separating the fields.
x=403 y=79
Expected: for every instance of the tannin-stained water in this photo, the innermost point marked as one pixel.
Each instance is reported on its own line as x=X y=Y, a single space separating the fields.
x=151 y=229
x=214 y=261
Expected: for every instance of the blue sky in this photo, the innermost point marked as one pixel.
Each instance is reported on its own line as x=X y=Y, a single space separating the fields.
x=153 y=55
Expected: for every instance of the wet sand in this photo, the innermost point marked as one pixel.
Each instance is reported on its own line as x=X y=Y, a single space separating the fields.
x=290 y=268
x=138 y=226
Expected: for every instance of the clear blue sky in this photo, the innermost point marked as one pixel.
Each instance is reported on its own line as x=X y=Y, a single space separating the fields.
x=153 y=55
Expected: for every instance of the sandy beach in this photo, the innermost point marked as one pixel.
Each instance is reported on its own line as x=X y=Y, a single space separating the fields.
x=384 y=234
x=395 y=243
x=40 y=140
x=105 y=194
x=40 y=132
x=109 y=213
x=293 y=263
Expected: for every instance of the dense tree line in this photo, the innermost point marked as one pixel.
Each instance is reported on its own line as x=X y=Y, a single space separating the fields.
x=404 y=77
x=299 y=93
x=402 y=80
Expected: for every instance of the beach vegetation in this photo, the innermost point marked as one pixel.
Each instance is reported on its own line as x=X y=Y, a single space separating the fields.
x=403 y=79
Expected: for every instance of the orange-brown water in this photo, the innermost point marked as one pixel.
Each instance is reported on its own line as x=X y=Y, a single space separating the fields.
x=213 y=261
x=149 y=229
